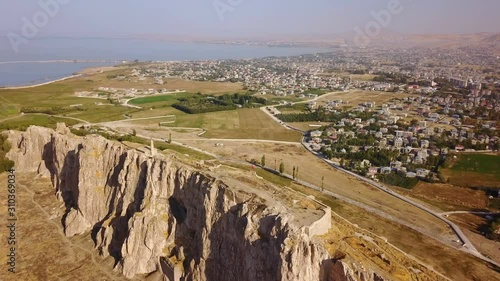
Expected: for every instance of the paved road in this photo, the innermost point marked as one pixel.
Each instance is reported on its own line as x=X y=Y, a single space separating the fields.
x=67 y=117
x=242 y=140
x=264 y=109
x=135 y=119
x=322 y=96
x=10 y=118
x=467 y=245
x=470 y=212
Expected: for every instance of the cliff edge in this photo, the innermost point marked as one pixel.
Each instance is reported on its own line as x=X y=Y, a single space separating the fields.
x=160 y=214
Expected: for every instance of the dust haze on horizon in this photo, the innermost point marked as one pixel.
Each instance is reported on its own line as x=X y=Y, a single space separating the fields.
x=249 y=19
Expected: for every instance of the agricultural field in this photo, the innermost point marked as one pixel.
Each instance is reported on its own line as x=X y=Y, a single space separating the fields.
x=235 y=124
x=159 y=98
x=248 y=124
x=62 y=94
x=449 y=197
x=55 y=94
x=478 y=163
x=96 y=114
x=474 y=170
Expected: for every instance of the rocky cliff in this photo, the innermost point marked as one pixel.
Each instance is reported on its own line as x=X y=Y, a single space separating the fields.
x=140 y=209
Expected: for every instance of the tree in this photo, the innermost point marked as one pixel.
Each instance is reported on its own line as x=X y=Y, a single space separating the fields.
x=293 y=175
x=263 y=161
x=170 y=138
x=282 y=168
x=134 y=132
x=5 y=163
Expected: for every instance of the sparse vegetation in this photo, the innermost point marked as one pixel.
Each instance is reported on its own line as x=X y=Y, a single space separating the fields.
x=398 y=179
x=139 y=140
x=5 y=163
x=23 y=122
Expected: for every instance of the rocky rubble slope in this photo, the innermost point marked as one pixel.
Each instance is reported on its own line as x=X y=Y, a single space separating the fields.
x=140 y=209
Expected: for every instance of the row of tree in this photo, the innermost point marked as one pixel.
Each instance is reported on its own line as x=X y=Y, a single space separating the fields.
x=202 y=104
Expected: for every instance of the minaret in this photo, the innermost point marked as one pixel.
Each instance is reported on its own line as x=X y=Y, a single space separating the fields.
x=153 y=149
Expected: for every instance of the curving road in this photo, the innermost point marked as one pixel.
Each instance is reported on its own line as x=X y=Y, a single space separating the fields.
x=243 y=140
x=470 y=212
x=44 y=114
x=467 y=245
x=134 y=119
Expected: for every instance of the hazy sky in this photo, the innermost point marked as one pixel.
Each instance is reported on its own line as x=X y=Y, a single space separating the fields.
x=199 y=18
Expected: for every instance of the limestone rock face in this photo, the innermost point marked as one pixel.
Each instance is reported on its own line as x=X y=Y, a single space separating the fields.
x=140 y=209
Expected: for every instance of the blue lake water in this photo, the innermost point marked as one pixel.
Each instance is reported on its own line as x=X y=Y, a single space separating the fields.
x=115 y=49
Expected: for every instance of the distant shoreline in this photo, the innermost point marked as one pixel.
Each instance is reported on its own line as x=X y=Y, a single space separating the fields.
x=40 y=84
x=60 y=61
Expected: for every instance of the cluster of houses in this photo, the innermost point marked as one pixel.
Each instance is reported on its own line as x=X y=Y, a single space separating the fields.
x=416 y=141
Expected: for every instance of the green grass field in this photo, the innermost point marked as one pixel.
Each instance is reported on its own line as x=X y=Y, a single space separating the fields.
x=55 y=94
x=249 y=123
x=233 y=124
x=474 y=170
x=161 y=98
x=23 y=122
x=103 y=113
x=479 y=163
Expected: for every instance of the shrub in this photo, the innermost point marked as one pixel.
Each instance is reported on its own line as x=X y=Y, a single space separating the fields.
x=5 y=163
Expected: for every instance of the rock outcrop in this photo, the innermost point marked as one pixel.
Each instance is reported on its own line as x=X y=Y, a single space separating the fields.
x=140 y=209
